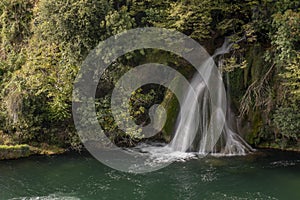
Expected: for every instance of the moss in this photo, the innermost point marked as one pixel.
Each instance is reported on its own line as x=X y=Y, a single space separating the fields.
x=45 y=149
x=172 y=108
x=273 y=145
x=255 y=60
x=16 y=147
x=235 y=87
x=252 y=137
x=14 y=152
x=24 y=150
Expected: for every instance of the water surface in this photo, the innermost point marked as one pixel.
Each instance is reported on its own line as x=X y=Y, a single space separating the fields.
x=262 y=175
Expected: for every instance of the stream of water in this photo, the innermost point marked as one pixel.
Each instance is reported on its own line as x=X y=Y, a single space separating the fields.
x=195 y=127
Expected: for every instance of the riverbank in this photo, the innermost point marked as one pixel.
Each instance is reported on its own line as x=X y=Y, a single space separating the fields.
x=8 y=152
x=24 y=150
x=278 y=147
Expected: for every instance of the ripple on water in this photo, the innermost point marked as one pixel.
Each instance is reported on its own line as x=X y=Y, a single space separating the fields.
x=209 y=175
x=49 y=197
x=249 y=195
x=285 y=163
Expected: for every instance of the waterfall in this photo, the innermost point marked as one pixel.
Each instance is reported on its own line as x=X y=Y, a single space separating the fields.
x=192 y=135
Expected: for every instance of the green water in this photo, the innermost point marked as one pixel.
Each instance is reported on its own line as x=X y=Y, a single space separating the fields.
x=264 y=175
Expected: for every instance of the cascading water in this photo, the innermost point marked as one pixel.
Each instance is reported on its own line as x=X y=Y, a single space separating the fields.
x=192 y=137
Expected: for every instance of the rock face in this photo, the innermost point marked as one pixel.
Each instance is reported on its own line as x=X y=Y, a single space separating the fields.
x=14 y=152
x=172 y=107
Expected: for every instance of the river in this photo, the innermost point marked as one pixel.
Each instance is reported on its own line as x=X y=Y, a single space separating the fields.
x=261 y=175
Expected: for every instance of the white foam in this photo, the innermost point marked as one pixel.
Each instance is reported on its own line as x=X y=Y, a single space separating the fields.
x=49 y=197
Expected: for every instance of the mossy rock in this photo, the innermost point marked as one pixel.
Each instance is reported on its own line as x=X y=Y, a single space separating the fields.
x=46 y=149
x=253 y=136
x=14 y=152
x=24 y=150
x=274 y=145
x=171 y=105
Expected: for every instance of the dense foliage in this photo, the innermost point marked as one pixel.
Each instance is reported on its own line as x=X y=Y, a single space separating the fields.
x=43 y=42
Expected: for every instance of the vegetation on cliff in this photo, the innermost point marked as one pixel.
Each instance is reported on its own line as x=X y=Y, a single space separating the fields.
x=43 y=43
